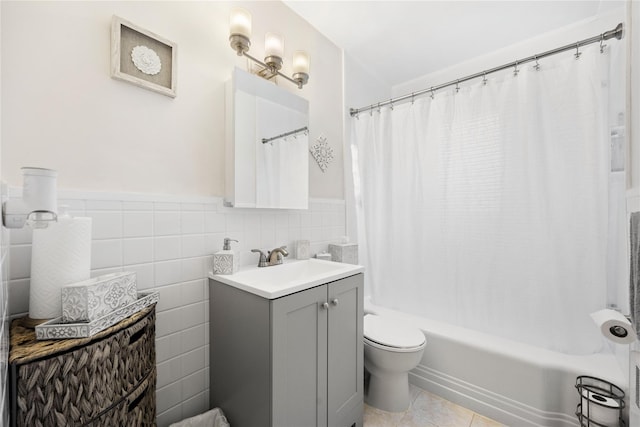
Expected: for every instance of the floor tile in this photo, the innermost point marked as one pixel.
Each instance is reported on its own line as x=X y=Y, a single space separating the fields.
x=427 y=410
x=480 y=421
x=374 y=417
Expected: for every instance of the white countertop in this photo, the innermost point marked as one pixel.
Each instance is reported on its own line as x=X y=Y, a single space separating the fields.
x=292 y=276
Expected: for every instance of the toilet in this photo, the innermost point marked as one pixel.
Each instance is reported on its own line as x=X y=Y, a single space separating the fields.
x=391 y=350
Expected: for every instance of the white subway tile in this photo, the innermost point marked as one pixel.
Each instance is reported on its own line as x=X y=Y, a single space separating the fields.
x=18 y=296
x=145 y=278
x=103 y=205
x=192 y=207
x=282 y=220
x=193 y=269
x=170 y=297
x=166 y=206
x=192 y=385
x=166 y=223
x=316 y=219
x=19 y=261
x=106 y=253
x=137 y=206
x=193 y=361
x=268 y=221
x=268 y=239
x=167 y=248
x=168 y=347
x=192 y=222
x=192 y=315
x=169 y=396
x=73 y=205
x=192 y=292
x=105 y=224
x=196 y=405
x=169 y=372
x=169 y=416
x=192 y=338
x=167 y=272
x=137 y=224
x=193 y=246
x=294 y=220
x=104 y=271
x=235 y=222
x=305 y=220
x=214 y=222
x=137 y=251
x=168 y=322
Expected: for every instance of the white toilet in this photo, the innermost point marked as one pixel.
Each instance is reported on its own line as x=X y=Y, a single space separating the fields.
x=391 y=350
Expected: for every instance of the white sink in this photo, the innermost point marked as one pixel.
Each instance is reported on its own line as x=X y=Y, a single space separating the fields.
x=293 y=276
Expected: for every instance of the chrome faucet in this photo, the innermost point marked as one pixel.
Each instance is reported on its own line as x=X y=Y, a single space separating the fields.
x=273 y=257
x=277 y=255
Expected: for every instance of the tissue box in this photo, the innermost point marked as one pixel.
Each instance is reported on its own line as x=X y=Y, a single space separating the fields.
x=302 y=249
x=92 y=299
x=344 y=252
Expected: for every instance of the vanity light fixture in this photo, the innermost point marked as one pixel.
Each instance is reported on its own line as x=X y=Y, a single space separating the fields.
x=240 y=40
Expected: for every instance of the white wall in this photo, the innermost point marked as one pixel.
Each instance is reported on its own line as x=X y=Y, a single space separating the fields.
x=151 y=168
x=63 y=111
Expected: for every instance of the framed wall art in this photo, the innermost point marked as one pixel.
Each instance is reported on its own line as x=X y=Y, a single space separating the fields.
x=143 y=58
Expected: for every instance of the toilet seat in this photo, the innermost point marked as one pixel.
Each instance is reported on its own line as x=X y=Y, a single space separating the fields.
x=389 y=335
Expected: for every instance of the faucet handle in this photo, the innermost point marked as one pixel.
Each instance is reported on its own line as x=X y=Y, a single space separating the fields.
x=263 y=258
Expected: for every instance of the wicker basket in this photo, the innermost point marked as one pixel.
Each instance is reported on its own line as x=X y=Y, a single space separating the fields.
x=108 y=379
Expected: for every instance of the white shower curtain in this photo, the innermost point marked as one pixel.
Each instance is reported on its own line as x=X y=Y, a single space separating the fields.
x=487 y=207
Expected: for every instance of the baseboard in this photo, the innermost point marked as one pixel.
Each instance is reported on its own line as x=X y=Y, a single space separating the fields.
x=500 y=408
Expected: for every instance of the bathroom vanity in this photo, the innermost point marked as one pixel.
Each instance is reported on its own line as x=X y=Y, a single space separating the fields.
x=287 y=346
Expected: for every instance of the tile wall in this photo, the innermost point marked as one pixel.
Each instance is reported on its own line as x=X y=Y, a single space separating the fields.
x=168 y=242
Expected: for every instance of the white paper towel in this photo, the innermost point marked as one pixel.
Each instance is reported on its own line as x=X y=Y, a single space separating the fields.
x=614 y=326
x=599 y=408
x=61 y=255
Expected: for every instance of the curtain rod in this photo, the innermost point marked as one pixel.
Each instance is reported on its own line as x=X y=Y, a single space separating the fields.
x=293 y=132
x=615 y=33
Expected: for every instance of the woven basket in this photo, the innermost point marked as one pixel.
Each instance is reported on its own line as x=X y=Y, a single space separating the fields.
x=89 y=381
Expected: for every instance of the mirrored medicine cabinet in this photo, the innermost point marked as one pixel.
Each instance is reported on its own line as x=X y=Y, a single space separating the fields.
x=266 y=149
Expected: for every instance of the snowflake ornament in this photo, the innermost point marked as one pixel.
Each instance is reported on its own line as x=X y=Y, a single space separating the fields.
x=322 y=152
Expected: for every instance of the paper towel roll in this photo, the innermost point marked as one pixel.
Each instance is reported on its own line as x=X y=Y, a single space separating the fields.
x=61 y=255
x=600 y=409
x=614 y=326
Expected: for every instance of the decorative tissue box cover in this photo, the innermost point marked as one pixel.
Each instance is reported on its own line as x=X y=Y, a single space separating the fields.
x=225 y=263
x=344 y=252
x=302 y=249
x=54 y=329
x=94 y=298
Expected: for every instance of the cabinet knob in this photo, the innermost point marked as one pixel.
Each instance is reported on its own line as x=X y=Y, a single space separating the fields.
x=324 y=305
x=334 y=301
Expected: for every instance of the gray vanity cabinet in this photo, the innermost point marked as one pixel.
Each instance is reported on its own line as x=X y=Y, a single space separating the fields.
x=294 y=361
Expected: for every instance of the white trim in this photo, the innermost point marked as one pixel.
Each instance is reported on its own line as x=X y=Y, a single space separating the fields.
x=485 y=402
x=15 y=192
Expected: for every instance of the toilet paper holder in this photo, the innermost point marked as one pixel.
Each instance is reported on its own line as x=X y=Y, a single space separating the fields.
x=601 y=403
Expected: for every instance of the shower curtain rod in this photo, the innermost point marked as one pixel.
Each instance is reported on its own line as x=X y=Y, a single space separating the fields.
x=615 y=33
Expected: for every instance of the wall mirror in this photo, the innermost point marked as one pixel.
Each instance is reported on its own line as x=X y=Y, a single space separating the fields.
x=267 y=160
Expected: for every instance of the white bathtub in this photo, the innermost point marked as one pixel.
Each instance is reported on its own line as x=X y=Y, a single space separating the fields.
x=517 y=384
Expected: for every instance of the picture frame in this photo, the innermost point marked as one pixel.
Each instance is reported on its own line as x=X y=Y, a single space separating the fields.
x=143 y=58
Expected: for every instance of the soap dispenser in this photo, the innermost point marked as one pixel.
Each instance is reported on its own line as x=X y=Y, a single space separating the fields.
x=226 y=260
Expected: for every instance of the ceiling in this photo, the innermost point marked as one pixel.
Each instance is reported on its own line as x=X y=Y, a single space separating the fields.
x=402 y=40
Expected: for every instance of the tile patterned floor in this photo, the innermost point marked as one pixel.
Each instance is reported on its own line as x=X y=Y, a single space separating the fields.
x=427 y=410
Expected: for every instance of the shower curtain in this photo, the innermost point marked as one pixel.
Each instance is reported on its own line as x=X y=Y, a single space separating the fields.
x=486 y=207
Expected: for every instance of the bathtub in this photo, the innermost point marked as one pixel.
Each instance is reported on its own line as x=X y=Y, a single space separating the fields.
x=516 y=384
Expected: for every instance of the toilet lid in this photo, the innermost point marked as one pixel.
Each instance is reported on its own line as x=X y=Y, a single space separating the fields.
x=390 y=333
